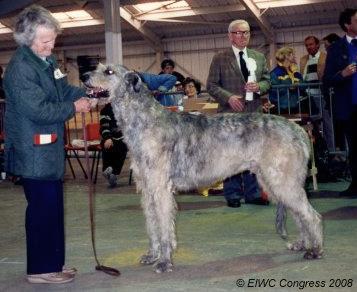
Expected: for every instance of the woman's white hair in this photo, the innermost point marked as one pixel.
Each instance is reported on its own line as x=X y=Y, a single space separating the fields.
x=237 y=22
x=28 y=21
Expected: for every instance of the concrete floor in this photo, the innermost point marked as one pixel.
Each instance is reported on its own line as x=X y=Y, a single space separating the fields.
x=217 y=245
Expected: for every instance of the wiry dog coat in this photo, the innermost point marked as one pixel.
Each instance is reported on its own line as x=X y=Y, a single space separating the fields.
x=179 y=151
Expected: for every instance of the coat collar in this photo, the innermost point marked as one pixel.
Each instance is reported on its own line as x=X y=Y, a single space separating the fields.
x=34 y=59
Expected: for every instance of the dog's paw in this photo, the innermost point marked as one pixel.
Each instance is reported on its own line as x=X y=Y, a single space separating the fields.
x=148 y=259
x=163 y=267
x=313 y=254
x=296 y=246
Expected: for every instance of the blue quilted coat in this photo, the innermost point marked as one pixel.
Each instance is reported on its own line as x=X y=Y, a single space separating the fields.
x=38 y=101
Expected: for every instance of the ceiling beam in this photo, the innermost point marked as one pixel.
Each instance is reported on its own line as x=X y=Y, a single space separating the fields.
x=187 y=11
x=264 y=4
x=191 y=11
x=190 y=21
x=79 y=23
x=151 y=37
x=261 y=19
x=283 y=19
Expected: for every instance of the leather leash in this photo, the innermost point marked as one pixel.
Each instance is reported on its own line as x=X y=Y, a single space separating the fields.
x=99 y=267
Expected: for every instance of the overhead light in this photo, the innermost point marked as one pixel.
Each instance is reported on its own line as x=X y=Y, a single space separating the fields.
x=76 y=18
x=72 y=15
x=146 y=7
x=4 y=29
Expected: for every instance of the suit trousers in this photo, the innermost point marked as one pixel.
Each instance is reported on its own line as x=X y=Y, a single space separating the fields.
x=244 y=184
x=349 y=129
x=44 y=225
x=241 y=185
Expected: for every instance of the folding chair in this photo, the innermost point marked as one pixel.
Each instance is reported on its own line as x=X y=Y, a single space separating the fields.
x=93 y=139
x=74 y=143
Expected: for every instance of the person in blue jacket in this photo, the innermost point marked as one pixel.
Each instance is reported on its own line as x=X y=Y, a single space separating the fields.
x=286 y=73
x=39 y=101
x=160 y=84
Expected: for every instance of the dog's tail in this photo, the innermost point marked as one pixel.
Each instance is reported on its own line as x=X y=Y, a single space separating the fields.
x=280 y=221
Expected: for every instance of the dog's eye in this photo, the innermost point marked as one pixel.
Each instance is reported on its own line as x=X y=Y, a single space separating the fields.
x=109 y=72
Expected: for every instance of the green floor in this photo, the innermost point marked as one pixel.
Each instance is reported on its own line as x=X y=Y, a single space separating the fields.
x=217 y=245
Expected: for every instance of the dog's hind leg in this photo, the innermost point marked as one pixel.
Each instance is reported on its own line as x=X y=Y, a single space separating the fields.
x=302 y=242
x=280 y=221
x=309 y=223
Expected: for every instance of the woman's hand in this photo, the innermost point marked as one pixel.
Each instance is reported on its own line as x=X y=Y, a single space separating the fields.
x=82 y=105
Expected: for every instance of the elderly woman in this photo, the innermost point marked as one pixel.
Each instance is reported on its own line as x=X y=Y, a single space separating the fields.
x=39 y=101
x=285 y=73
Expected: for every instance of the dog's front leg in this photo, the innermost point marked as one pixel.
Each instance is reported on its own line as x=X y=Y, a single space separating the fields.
x=152 y=227
x=166 y=208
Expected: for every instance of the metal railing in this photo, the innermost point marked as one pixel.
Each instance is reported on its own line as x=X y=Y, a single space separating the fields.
x=310 y=103
x=308 y=97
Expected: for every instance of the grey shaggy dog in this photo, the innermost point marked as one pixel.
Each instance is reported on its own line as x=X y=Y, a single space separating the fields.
x=173 y=152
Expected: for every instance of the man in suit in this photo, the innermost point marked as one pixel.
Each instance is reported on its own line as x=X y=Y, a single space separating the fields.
x=340 y=73
x=228 y=83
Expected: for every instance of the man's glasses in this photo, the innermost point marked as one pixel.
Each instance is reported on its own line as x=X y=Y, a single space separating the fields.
x=241 y=33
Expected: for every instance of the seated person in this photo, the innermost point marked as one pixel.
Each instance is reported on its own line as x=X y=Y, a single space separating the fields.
x=114 y=149
x=285 y=73
x=192 y=88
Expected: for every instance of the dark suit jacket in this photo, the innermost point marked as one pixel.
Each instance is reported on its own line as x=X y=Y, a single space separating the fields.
x=338 y=59
x=226 y=79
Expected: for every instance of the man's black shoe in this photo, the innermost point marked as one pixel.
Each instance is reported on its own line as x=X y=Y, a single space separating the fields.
x=234 y=203
x=257 y=201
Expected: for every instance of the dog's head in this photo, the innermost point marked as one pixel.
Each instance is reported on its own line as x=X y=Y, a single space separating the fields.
x=112 y=81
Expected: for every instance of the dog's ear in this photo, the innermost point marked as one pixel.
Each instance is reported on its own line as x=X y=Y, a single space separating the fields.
x=133 y=79
x=101 y=66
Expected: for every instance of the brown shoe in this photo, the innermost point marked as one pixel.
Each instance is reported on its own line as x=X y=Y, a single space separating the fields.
x=50 y=278
x=71 y=271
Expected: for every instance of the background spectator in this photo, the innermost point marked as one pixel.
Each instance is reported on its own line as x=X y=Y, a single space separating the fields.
x=330 y=39
x=192 y=88
x=168 y=67
x=114 y=149
x=285 y=73
x=340 y=73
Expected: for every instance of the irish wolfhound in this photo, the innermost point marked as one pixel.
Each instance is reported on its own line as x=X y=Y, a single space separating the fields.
x=180 y=151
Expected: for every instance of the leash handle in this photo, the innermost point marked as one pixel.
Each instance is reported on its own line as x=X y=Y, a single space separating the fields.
x=99 y=267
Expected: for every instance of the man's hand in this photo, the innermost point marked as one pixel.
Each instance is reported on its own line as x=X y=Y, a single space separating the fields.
x=267 y=106
x=236 y=103
x=349 y=70
x=108 y=143
x=82 y=105
x=252 y=87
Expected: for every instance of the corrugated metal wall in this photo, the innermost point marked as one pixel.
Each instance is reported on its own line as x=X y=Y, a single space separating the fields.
x=192 y=55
